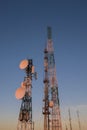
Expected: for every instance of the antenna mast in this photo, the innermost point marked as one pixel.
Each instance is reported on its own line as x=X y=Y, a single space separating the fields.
x=25 y=115
x=70 y=120
x=46 y=92
x=53 y=109
x=78 y=120
x=66 y=127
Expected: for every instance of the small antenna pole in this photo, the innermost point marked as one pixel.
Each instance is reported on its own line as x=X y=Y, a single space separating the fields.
x=70 y=120
x=78 y=120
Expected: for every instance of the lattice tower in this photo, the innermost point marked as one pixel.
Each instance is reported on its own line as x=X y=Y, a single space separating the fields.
x=54 y=116
x=25 y=115
x=46 y=93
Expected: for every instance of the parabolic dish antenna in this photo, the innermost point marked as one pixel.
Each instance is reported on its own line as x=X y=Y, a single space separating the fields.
x=23 y=64
x=20 y=92
x=51 y=104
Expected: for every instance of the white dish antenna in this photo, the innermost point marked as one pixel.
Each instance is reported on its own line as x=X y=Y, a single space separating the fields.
x=23 y=64
x=20 y=92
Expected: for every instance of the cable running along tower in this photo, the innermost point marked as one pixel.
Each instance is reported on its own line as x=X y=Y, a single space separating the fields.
x=51 y=108
x=25 y=94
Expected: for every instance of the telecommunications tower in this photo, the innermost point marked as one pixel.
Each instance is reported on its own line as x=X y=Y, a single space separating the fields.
x=24 y=92
x=51 y=108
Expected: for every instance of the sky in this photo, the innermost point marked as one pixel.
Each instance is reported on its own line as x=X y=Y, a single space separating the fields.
x=23 y=34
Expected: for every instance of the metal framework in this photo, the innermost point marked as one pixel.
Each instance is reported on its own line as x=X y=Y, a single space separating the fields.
x=25 y=116
x=46 y=93
x=52 y=117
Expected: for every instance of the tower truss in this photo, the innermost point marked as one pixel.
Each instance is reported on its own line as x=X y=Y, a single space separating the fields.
x=54 y=117
x=25 y=115
x=46 y=92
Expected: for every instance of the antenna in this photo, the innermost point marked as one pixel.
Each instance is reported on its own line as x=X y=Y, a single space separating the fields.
x=46 y=112
x=25 y=94
x=51 y=109
x=78 y=120
x=20 y=92
x=23 y=64
x=66 y=127
x=70 y=120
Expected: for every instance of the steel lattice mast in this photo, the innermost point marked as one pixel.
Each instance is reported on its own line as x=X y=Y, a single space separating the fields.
x=46 y=92
x=25 y=115
x=54 y=116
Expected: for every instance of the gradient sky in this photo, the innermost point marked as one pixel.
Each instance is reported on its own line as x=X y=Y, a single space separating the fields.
x=23 y=34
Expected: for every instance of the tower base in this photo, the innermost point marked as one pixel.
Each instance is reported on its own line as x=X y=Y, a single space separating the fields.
x=23 y=125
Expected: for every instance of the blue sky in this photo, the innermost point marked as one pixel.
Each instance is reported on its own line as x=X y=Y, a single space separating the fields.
x=23 y=34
